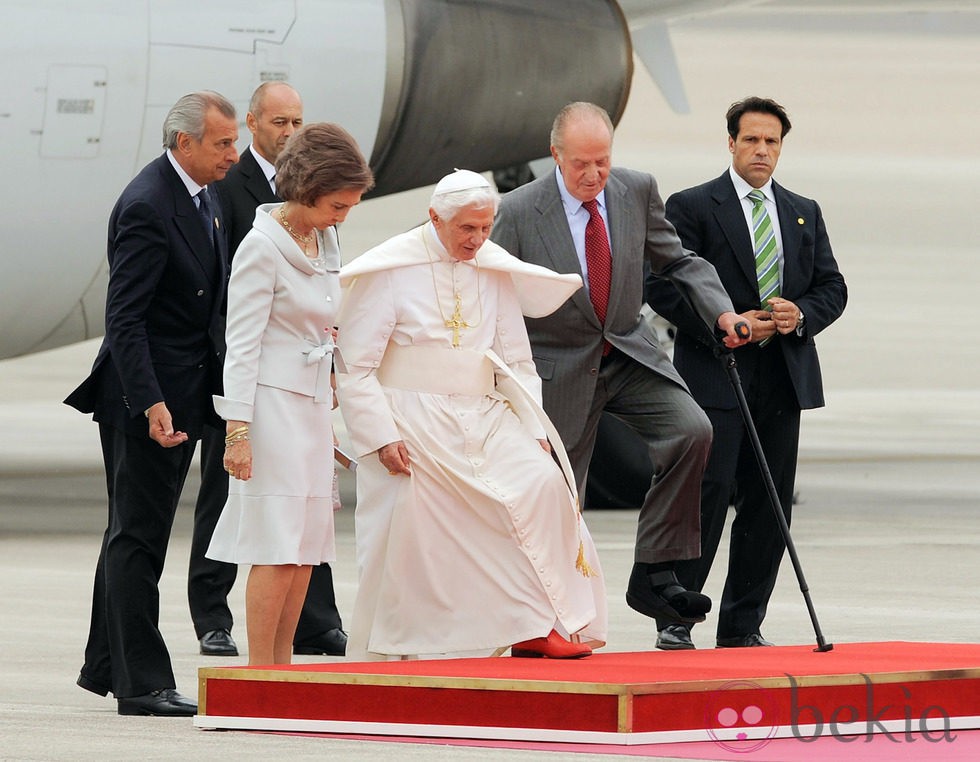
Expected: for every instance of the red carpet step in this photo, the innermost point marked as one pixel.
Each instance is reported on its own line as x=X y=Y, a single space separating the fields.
x=726 y=696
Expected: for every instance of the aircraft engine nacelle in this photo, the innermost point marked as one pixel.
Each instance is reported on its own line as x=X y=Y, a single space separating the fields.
x=477 y=85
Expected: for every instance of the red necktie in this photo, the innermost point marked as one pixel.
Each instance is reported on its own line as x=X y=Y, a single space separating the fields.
x=598 y=259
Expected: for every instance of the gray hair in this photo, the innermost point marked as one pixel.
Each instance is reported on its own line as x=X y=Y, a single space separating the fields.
x=577 y=110
x=187 y=115
x=448 y=205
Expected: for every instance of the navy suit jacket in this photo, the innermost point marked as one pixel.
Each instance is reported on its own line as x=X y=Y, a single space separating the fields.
x=164 y=337
x=710 y=221
x=243 y=189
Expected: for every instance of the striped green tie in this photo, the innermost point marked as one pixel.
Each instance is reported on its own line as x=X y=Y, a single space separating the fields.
x=766 y=256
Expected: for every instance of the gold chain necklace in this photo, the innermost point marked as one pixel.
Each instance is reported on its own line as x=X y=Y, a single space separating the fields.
x=455 y=321
x=306 y=240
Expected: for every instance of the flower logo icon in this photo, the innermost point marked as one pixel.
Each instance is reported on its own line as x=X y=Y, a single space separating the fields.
x=739 y=716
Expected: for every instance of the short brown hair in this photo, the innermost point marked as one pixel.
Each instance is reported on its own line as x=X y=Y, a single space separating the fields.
x=319 y=159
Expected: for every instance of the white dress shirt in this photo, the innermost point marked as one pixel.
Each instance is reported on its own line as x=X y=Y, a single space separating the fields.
x=267 y=168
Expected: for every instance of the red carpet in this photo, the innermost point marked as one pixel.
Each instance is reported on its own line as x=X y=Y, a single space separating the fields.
x=738 y=698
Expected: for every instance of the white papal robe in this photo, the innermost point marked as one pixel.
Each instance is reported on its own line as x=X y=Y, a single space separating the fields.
x=476 y=550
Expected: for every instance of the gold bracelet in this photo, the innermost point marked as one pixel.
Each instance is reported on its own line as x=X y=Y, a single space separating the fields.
x=240 y=431
x=236 y=440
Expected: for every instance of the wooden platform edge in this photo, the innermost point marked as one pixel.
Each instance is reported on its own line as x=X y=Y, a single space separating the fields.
x=570 y=686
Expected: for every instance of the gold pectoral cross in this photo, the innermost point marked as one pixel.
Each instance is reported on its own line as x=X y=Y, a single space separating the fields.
x=456 y=322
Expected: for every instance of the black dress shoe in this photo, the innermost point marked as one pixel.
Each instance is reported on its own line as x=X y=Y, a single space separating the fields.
x=90 y=685
x=163 y=703
x=661 y=596
x=331 y=643
x=752 y=640
x=675 y=637
x=218 y=643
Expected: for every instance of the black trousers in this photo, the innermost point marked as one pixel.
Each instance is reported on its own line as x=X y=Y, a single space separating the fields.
x=732 y=477
x=125 y=652
x=209 y=582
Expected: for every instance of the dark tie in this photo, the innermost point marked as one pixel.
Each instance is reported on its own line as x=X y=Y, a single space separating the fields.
x=598 y=260
x=206 y=211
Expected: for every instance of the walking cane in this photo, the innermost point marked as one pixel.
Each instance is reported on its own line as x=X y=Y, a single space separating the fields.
x=727 y=358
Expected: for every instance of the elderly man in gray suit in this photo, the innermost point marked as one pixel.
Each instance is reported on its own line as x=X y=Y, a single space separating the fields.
x=596 y=353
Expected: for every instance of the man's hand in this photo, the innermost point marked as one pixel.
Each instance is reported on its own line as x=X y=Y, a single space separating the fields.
x=394 y=457
x=761 y=323
x=162 y=426
x=785 y=314
x=727 y=322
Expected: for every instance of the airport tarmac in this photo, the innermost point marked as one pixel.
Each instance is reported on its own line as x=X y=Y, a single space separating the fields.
x=889 y=514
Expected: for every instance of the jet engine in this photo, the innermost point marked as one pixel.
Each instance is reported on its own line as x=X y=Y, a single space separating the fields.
x=477 y=85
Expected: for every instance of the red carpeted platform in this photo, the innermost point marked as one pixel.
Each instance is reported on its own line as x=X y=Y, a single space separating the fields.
x=724 y=696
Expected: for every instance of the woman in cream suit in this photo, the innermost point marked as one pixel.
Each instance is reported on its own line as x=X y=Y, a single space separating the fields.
x=282 y=299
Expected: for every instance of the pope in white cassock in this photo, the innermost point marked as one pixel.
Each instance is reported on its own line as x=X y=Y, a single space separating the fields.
x=469 y=537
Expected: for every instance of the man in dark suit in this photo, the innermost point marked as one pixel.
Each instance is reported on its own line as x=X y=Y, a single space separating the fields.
x=150 y=391
x=596 y=353
x=771 y=250
x=275 y=113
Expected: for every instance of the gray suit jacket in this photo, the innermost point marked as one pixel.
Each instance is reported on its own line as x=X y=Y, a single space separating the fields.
x=567 y=344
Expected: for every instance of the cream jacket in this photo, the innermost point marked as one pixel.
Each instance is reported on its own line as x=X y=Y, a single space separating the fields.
x=280 y=317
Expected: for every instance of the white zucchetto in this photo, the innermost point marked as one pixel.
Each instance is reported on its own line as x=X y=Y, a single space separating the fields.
x=460 y=180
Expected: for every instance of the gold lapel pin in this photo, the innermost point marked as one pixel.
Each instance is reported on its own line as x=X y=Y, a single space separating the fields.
x=799 y=220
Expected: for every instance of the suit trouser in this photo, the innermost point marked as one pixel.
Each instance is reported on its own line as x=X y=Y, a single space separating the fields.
x=125 y=652
x=733 y=477
x=209 y=582
x=678 y=437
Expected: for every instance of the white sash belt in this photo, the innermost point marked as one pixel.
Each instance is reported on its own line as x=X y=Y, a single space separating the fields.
x=435 y=370
x=316 y=356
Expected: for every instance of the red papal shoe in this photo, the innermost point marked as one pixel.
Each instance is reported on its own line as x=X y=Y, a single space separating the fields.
x=552 y=647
